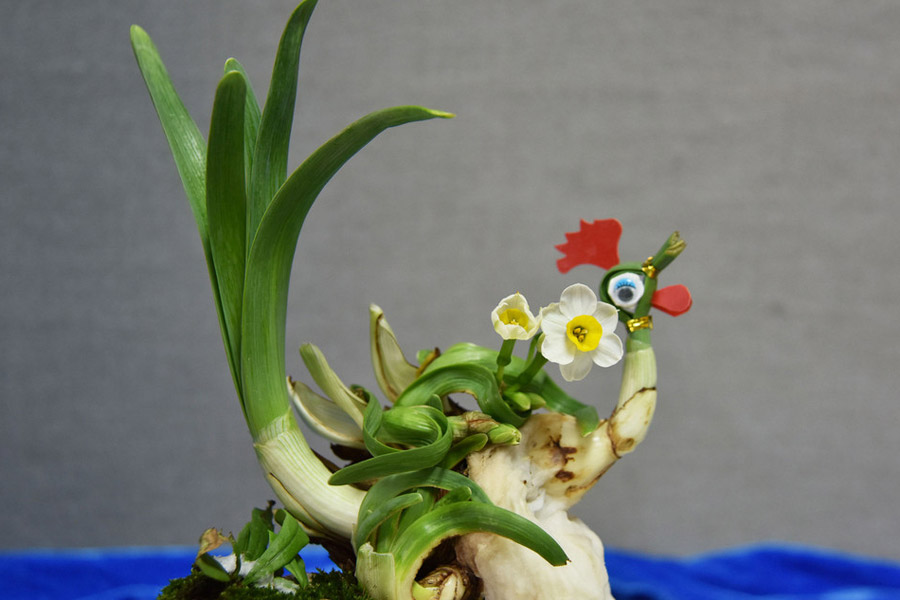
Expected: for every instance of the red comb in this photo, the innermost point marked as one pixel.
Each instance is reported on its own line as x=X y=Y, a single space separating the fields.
x=674 y=300
x=596 y=243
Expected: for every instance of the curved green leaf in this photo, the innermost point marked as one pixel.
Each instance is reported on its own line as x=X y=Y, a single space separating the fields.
x=227 y=205
x=463 y=448
x=254 y=537
x=188 y=149
x=460 y=494
x=542 y=384
x=412 y=425
x=395 y=485
x=460 y=518
x=325 y=417
x=283 y=548
x=331 y=384
x=210 y=567
x=389 y=461
x=561 y=402
x=186 y=142
x=392 y=371
x=381 y=513
x=251 y=123
x=271 y=255
x=269 y=167
x=473 y=379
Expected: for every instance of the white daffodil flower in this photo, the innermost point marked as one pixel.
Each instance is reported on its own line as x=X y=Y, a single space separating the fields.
x=513 y=320
x=580 y=331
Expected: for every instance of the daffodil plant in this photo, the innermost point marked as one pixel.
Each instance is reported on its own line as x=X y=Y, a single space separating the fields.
x=436 y=500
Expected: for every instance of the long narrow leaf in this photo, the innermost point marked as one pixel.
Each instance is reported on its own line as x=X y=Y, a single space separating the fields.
x=396 y=462
x=187 y=145
x=437 y=477
x=471 y=379
x=251 y=120
x=283 y=548
x=185 y=140
x=227 y=205
x=271 y=154
x=466 y=446
x=542 y=384
x=271 y=255
x=324 y=416
x=331 y=384
x=382 y=513
x=468 y=517
x=559 y=401
x=412 y=425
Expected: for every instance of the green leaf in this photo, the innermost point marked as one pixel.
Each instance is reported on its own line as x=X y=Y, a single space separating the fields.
x=227 y=205
x=460 y=494
x=412 y=514
x=460 y=518
x=392 y=371
x=412 y=425
x=381 y=513
x=389 y=461
x=542 y=384
x=394 y=485
x=463 y=448
x=254 y=537
x=372 y=420
x=559 y=401
x=242 y=542
x=269 y=167
x=331 y=384
x=271 y=255
x=185 y=141
x=297 y=568
x=251 y=122
x=283 y=549
x=210 y=567
x=472 y=379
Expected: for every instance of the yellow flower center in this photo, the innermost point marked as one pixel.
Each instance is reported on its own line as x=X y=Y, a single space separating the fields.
x=514 y=316
x=585 y=332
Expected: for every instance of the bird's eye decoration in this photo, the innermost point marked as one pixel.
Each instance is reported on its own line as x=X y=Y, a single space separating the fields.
x=626 y=289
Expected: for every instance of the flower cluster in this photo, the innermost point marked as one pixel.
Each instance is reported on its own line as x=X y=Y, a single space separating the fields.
x=578 y=331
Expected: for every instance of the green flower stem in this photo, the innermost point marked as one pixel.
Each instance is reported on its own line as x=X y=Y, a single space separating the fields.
x=503 y=358
x=534 y=367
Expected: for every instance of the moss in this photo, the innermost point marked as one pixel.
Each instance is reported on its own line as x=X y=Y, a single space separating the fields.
x=333 y=585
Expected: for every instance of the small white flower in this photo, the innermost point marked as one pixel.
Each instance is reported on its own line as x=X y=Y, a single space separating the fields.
x=580 y=331
x=513 y=320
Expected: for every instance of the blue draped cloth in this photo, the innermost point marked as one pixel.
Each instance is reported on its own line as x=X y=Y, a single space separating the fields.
x=766 y=572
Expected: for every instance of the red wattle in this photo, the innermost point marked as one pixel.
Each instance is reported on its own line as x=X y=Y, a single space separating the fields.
x=673 y=300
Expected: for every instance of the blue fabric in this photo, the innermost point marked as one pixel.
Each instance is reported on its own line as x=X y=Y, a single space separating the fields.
x=757 y=572
x=768 y=572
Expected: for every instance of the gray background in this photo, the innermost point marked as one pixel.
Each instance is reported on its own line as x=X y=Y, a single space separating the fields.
x=768 y=133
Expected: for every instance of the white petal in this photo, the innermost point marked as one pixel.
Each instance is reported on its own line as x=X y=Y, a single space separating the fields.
x=553 y=321
x=577 y=299
x=608 y=352
x=608 y=316
x=578 y=368
x=516 y=301
x=515 y=332
x=558 y=349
